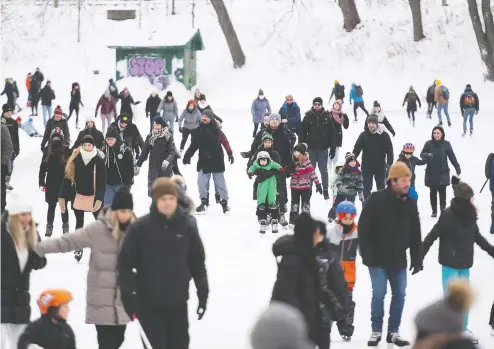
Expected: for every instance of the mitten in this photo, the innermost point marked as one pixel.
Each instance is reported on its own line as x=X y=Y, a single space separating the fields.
x=186 y=160
x=201 y=310
x=319 y=188
x=138 y=102
x=97 y=206
x=230 y=158
x=164 y=164
x=361 y=197
x=416 y=268
x=245 y=154
x=43 y=188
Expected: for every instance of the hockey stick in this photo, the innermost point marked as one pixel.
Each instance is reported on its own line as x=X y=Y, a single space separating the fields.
x=144 y=338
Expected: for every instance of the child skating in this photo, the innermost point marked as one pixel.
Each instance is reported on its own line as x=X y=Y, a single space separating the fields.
x=265 y=169
x=349 y=184
x=343 y=235
x=411 y=161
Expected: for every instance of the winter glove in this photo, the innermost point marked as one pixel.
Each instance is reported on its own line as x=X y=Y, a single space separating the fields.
x=201 y=310
x=137 y=169
x=416 y=268
x=164 y=164
x=476 y=112
x=245 y=154
x=43 y=188
x=130 y=306
x=250 y=175
x=147 y=115
x=138 y=102
x=332 y=153
x=97 y=206
x=361 y=197
x=176 y=118
x=180 y=129
x=319 y=188
x=14 y=155
x=82 y=104
x=186 y=160
x=61 y=203
x=230 y=158
x=345 y=329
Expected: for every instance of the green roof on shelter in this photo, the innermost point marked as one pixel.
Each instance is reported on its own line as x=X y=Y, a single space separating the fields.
x=186 y=39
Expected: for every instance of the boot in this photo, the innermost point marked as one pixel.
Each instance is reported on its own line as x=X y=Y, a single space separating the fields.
x=65 y=228
x=78 y=255
x=283 y=221
x=440 y=123
x=274 y=226
x=442 y=207
x=262 y=226
x=224 y=205
x=471 y=132
x=325 y=193
x=449 y=123
x=374 y=339
x=49 y=230
x=394 y=338
x=7 y=183
x=203 y=207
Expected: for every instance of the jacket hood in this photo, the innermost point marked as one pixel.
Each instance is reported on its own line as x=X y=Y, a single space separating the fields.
x=284 y=245
x=440 y=128
x=468 y=89
x=104 y=215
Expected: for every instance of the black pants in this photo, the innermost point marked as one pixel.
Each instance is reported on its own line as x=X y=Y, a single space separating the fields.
x=50 y=215
x=256 y=126
x=79 y=217
x=73 y=108
x=110 y=336
x=166 y=328
x=411 y=114
x=185 y=136
x=360 y=105
x=324 y=338
x=430 y=108
x=441 y=189
x=339 y=198
x=491 y=319
x=351 y=313
x=297 y=197
x=34 y=104
x=4 y=186
x=263 y=211
x=367 y=177
x=492 y=209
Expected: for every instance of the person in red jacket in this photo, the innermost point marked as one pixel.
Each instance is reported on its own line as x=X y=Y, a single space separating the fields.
x=108 y=109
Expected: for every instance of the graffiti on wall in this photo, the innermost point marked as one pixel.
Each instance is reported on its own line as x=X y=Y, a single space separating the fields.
x=152 y=67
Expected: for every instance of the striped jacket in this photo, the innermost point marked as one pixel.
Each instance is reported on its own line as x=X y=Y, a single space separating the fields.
x=346 y=246
x=303 y=175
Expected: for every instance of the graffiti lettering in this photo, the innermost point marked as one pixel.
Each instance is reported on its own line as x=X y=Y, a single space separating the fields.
x=150 y=66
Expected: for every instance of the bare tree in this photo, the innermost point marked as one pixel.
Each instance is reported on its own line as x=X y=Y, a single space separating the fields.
x=485 y=39
x=350 y=14
x=418 y=30
x=229 y=32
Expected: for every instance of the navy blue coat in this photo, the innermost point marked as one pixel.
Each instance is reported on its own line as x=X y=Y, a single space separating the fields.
x=292 y=114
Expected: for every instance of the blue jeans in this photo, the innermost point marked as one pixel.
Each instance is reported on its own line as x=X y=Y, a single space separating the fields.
x=450 y=274
x=171 y=124
x=468 y=114
x=110 y=193
x=413 y=193
x=216 y=191
x=398 y=282
x=445 y=108
x=46 y=113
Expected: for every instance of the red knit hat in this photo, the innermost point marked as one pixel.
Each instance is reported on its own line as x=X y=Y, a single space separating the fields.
x=191 y=101
x=58 y=111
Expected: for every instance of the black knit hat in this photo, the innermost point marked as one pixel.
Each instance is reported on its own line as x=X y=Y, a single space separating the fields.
x=122 y=200
x=87 y=139
x=169 y=94
x=376 y=104
x=301 y=148
x=112 y=132
x=6 y=108
x=461 y=189
x=209 y=113
x=317 y=100
x=373 y=119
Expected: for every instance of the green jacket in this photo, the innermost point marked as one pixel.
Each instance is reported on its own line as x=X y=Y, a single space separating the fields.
x=266 y=177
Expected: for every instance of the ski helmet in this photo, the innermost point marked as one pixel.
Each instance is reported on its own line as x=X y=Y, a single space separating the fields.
x=408 y=148
x=263 y=155
x=53 y=298
x=346 y=207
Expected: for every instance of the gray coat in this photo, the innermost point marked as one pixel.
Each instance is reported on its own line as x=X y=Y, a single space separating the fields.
x=191 y=119
x=7 y=147
x=349 y=182
x=103 y=303
x=170 y=109
x=258 y=109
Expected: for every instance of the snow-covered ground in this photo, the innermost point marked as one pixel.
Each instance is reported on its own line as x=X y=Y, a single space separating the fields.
x=299 y=52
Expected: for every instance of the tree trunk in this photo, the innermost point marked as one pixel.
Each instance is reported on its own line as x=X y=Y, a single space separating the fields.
x=229 y=32
x=444 y=2
x=350 y=14
x=418 y=31
x=485 y=40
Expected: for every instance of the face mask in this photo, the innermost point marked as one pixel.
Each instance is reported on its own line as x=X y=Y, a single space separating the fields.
x=261 y=97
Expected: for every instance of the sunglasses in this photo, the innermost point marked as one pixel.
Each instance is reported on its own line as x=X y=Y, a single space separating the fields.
x=408 y=153
x=289 y=99
x=317 y=104
x=343 y=215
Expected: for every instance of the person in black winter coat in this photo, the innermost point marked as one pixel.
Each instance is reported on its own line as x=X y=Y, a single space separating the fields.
x=13 y=128
x=51 y=173
x=430 y=99
x=112 y=87
x=47 y=95
x=377 y=154
x=36 y=79
x=437 y=174
x=389 y=225
x=126 y=102
x=411 y=99
x=203 y=105
x=152 y=105
x=318 y=132
x=160 y=148
x=119 y=165
x=91 y=130
x=51 y=330
x=412 y=161
x=165 y=249
x=129 y=133
x=75 y=101
x=340 y=122
x=382 y=120
x=457 y=231
x=9 y=91
x=16 y=95
x=297 y=279
x=18 y=260
x=338 y=92
x=59 y=121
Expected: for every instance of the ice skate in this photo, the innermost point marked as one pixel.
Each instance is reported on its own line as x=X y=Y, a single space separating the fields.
x=374 y=339
x=77 y=125
x=224 y=205
x=394 y=338
x=78 y=255
x=203 y=207
x=464 y=134
x=449 y=123
x=274 y=226
x=471 y=133
x=7 y=183
x=262 y=226
x=470 y=336
x=283 y=221
x=49 y=230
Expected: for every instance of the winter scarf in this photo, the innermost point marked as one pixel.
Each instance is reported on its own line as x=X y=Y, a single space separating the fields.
x=203 y=105
x=337 y=116
x=163 y=132
x=87 y=156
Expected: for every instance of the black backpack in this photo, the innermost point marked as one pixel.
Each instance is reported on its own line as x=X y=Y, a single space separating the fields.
x=488 y=165
x=359 y=91
x=340 y=92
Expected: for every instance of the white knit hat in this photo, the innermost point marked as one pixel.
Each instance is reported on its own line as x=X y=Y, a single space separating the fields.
x=90 y=118
x=18 y=203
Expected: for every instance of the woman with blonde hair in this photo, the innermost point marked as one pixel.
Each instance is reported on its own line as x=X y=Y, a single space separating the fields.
x=19 y=237
x=104 y=236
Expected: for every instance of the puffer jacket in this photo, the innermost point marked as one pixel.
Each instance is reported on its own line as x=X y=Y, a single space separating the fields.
x=190 y=118
x=259 y=108
x=349 y=181
x=169 y=108
x=303 y=175
x=103 y=302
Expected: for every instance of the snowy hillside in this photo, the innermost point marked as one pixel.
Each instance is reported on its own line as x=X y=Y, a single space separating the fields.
x=299 y=52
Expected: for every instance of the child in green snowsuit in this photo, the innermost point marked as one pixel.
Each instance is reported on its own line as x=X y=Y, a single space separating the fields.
x=265 y=169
